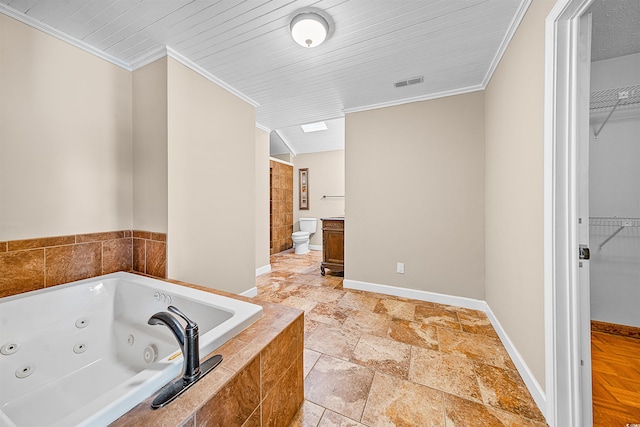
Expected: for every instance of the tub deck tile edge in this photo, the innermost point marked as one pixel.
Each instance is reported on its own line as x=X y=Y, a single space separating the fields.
x=278 y=323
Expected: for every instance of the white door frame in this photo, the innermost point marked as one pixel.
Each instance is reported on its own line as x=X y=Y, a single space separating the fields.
x=564 y=397
x=583 y=89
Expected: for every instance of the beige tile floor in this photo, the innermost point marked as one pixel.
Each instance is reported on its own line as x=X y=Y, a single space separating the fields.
x=377 y=360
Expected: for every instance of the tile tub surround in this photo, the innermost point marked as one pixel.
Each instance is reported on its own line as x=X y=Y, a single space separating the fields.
x=150 y=253
x=281 y=206
x=378 y=360
x=258 y=383
x=31 y=264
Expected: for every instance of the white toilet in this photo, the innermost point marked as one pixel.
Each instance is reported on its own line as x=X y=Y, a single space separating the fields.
x=301 y=238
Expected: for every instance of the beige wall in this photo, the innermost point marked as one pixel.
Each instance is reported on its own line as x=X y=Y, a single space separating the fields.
x=150 y=147
x=65 y=138
x=212 y=183
x=415 y=194
x=514 y=190
x=326 y=177
x=262 y=199
x=66 y=167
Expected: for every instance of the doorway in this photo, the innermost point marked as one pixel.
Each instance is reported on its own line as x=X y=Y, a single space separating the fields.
x=614 y=215
x=566 y=297
x=281 y=205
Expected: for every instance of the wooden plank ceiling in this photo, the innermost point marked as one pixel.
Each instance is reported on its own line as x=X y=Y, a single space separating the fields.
x=454 y=44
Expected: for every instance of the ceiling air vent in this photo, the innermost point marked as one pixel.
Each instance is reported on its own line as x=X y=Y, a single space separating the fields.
x=408 y=82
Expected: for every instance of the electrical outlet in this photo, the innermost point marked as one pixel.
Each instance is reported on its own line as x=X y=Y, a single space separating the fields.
x=400 y=268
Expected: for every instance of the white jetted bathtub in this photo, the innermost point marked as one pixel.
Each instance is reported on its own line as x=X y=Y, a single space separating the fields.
x=83 y=353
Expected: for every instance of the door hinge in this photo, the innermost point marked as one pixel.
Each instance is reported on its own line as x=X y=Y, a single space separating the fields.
x=583 y=252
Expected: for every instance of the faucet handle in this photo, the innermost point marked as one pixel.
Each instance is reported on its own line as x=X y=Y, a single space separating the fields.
x=190 y=323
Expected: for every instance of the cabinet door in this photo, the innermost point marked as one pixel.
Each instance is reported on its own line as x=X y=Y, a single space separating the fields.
x=334 y=246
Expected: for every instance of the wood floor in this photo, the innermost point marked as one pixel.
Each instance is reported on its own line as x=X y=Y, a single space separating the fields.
x=616 y=380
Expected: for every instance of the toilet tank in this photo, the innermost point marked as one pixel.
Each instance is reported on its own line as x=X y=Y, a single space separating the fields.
x=308 y=224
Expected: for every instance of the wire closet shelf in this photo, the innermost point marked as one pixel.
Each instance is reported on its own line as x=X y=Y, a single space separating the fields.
x=620 y=223
x=621 y=97
x=614 y=221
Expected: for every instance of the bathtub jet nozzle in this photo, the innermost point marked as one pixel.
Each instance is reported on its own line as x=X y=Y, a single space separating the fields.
x=188 y=338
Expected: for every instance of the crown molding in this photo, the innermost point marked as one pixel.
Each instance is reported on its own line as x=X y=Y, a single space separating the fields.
x=426 y=97
x=264 y=128
x=167 y=51
x=151 y=56
x=286 y=143
x=34 y=23
x=147 y=59
x=172 y=53
x=513 y=27
x=274 y=159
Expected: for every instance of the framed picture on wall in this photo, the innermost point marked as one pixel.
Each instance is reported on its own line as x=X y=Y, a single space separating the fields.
x=304 y=188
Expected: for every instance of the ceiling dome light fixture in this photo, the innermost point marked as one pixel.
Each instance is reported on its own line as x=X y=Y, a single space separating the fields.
x=309 y=29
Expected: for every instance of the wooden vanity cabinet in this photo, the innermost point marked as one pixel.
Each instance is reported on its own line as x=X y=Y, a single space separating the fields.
x=332 y=245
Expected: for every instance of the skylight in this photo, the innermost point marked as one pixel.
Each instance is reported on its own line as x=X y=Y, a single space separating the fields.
x=314 y=127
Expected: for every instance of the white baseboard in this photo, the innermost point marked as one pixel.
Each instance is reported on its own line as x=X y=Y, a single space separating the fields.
x=538 y=394
x=474 y=304
x=250 y=292
x=315 y=247
x=533 y=386
x=263 y=270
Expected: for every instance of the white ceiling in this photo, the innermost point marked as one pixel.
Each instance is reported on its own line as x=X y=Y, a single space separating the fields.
x=615 y=28
x=454 y=44
x=293 y=139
